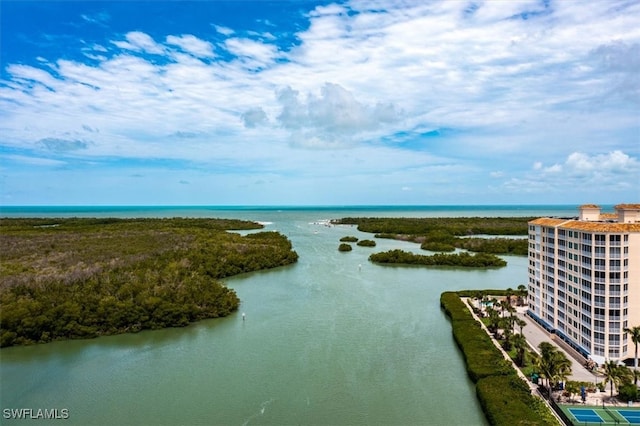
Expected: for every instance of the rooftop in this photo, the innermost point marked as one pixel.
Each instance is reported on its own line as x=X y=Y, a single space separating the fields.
x=625 y=219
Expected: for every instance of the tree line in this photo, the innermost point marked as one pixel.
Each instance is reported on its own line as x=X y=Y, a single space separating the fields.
x=478 y=260
x=444 y=234
x=79 y=278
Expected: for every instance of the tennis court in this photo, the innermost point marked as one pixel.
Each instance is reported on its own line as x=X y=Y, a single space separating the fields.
x=601 y=415
x=632 y=416
x=585 y=415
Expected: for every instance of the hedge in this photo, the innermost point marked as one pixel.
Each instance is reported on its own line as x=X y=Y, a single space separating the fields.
x=504 y=397
x=482 y=357
x=507 y=400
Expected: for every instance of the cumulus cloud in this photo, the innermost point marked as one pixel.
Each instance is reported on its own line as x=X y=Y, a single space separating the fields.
x=333 y=117
x=254 y=117
x=579 y=164
x=581 y=173
x=616 y=162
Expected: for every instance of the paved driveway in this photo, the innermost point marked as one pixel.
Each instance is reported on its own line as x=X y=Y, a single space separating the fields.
x=536 y=335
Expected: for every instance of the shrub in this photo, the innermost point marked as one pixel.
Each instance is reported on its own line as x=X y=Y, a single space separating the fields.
x=367 y=243
x=345 y=247
x=628 y=392
x=482 y=357
x=349 y=239
x=507 y=400
x=504 y=397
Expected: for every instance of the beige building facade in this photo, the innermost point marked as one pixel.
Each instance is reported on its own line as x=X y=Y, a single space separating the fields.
x=584 y=279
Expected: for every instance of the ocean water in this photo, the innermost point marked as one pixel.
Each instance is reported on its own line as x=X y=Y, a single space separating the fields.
x=331 y=340
x=252 y=211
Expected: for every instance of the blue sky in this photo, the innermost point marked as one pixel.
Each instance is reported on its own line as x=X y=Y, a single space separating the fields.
x=319 y=102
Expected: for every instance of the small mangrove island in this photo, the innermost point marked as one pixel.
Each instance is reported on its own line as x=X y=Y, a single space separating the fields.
x=87 y=277
x=478 y=260
x=448 y=233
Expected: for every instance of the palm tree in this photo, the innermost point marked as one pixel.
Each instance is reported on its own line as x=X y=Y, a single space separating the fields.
x=634 y=333
x=609 y=371
x=507 y=329
x=520 y=344
x=521 y=323
x=563 y=367
x=553 y=364
x=494 y=318
x=522 y=293
x=509 y=295
x=615 y=374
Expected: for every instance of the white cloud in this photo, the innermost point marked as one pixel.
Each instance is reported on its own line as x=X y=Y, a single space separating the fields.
x=253 y=53
x=193 y=45
x=333 y=118
x=560 y=87
x=606 y=173
x=615 y=162
x=224 y=30
x=254 y=117
x=140 y=42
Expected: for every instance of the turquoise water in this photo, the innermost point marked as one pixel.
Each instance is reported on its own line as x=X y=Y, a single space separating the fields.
x=331 y=340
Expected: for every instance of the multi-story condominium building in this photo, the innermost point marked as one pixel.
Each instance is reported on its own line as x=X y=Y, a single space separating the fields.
x=584 y=279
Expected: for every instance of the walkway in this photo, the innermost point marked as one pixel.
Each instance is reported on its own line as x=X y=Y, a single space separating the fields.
x=535 y=335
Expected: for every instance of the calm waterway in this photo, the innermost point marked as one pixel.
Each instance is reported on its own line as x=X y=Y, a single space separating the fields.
x=331 y=340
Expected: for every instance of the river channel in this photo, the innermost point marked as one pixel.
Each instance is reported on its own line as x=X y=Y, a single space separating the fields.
x=331 y=340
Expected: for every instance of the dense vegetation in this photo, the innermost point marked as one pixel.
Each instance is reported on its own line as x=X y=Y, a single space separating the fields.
x=349 y=239
x=479 y=260
x=453 y=225
x=345 y=247
x=504 y=397
x=444 y=234
x=367 y=243
x=78 y=278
